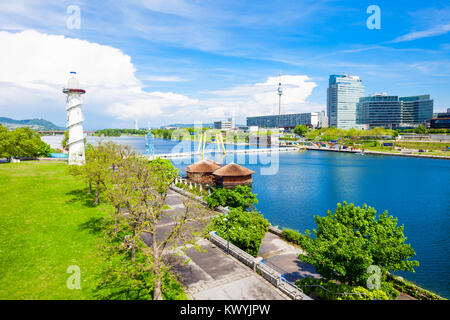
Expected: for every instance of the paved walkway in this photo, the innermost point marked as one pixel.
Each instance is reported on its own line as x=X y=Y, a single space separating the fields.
x=213 y=275
x=283 y=257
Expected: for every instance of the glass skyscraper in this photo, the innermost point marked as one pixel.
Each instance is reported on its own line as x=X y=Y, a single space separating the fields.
x=343 y=94
x=417 y=109
x=381 y=110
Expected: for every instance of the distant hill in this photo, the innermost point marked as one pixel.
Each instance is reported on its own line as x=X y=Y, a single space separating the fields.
x=35 y=124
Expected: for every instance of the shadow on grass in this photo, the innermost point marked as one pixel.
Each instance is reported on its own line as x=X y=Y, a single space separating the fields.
x=94 y=225
x=82 y=196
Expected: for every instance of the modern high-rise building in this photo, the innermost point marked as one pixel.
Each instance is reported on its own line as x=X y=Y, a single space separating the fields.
x=381 y=110
x=343 y=94
x=417 y=110
x=310 y=119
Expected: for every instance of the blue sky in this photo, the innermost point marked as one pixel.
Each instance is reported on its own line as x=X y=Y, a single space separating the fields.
x=178 y=61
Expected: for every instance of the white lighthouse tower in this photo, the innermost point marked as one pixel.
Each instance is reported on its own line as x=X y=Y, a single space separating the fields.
x=75 y=121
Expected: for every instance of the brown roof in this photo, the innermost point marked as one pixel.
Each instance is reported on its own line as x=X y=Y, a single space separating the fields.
x=202 y=166
x=232 y=170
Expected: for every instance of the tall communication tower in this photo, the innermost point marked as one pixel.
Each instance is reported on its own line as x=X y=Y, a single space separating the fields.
x=280 y=93
x=75 y=120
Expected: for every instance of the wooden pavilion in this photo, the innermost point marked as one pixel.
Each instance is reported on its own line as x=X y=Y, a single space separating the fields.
x=201 y=171
x=232 y=175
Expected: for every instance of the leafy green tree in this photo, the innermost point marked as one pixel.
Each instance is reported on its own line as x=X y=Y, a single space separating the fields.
x=43 y=149
x=246 y=228
x=239 y=197
x=22 y=142
x=5 y=142
x=65 y=140
x=351 y=239
x=421 y=130
x=301 y=130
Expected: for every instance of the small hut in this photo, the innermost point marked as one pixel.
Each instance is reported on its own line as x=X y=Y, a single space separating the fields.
x=201 y=171
x=232 y=175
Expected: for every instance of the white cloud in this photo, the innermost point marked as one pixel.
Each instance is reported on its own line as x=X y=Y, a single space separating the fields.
x=35 y=67
x=262 y=98
x=432 y=32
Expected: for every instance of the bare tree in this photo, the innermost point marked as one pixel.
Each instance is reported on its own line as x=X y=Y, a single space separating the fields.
x=145 y=191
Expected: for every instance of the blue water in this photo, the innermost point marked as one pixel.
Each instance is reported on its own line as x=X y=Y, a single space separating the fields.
x=292 y=187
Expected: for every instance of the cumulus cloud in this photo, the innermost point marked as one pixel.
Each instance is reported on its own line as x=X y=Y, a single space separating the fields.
x=35 y=66
x=262 y=98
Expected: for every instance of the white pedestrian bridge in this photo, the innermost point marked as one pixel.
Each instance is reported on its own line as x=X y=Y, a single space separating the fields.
x=247 y=151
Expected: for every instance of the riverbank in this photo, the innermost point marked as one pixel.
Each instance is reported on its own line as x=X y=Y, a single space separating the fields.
x=378 y=153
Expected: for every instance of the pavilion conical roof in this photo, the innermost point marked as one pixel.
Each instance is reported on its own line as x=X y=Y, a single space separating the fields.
x=202 y=166
x=233 y=170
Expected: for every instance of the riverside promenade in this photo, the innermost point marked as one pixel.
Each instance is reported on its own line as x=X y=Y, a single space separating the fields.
x=211 y=274
x=378 y=153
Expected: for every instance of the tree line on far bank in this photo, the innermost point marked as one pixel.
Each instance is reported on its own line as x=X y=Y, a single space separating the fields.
x=119 y=132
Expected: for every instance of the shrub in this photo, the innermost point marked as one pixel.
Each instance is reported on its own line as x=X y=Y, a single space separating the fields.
x=239 y=197
x=246 y=229
x=329 y=290
x=292 y=236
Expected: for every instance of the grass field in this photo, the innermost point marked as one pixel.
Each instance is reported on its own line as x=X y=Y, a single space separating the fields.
x=46 y=225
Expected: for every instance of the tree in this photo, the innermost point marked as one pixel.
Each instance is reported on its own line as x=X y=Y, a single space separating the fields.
x=301 y=130
x=145 y=192
x=43 y=149
x=239 y=197
x=421 y=130
x=351 y=239
x=5 y=142
x=22 y=142
x=65 y=140
x=246 y=228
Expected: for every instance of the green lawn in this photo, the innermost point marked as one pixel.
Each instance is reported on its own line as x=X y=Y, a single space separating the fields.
x=46 y=225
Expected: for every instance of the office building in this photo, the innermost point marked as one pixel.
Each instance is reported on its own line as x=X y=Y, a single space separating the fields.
x=381 y=110
x=441 y=120
x=416 y=110
x=288 y=121
x=225 y=124
x=343 y=94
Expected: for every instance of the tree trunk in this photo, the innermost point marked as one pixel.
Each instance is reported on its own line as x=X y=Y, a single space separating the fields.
x=133 y=250
x=116 y=217
x=90 y=187
x=157 y=294
x=96 y=195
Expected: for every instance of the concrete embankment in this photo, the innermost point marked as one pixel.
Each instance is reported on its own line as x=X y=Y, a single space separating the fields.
x=380 y=153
